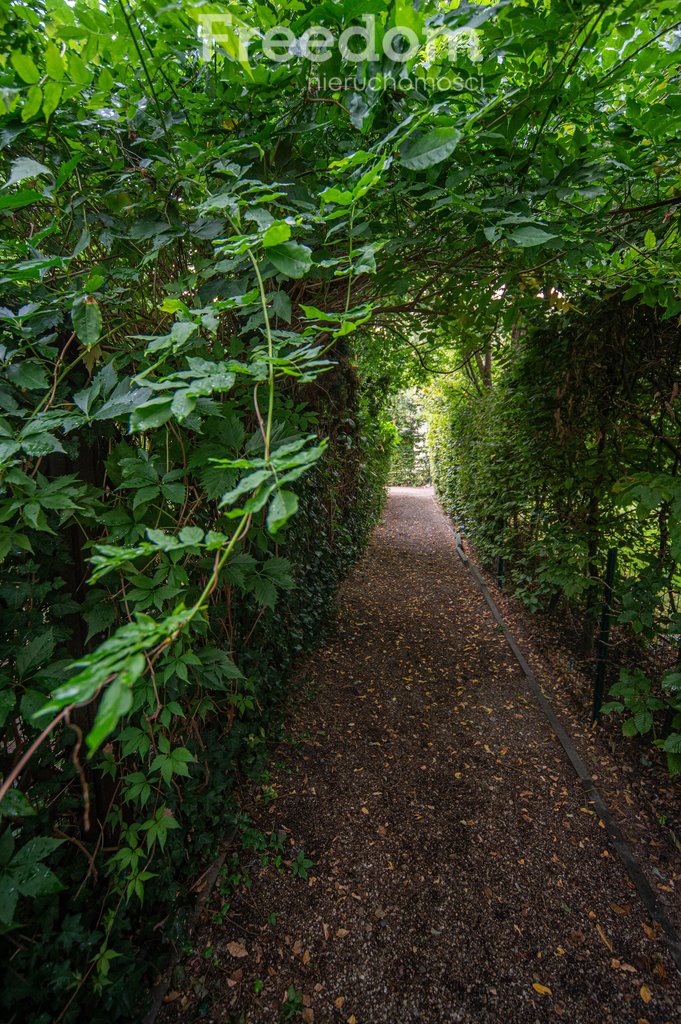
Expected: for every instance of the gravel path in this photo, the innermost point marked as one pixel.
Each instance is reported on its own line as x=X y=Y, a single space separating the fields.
x=458 y=873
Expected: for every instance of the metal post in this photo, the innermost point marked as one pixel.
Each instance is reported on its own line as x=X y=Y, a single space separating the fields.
x=604 y=635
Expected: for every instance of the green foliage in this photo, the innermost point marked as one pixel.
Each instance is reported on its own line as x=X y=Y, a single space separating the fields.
x=179 y=496
x=409 y=464
x=196 y=252
x=571 y=449
x=301 y=865
x=292 y=1006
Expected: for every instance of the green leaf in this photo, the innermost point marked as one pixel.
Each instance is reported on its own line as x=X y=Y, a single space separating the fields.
x=429 y=149
x=152 y=414
x=52 y=94
x=649 y=239
x=35 y=880
x=35 y=850
x=115 y=703
x=9 y=896
x=7 y=702
x=15 y=804
x=279 y=231
x=191 y=535
x=672 y=745
x=34 y=101
x=54 y=62
x=283 y=506
x=290 y=258
x=18 y=199
x=78 y=70
x=25 y=67
x=281 y=306
x=183 y=404
x=529 y=235
x=87 y=320
x=265 y=592
x=30 y=656
x=29 y=374
x=105 y=82
x=24 y=168
x=643 y=721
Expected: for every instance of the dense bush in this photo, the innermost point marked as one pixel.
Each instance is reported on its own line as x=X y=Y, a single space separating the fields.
x=574 y=448
x=184 y=448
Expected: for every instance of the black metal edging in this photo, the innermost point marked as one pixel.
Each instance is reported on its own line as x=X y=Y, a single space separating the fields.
x=647 y=894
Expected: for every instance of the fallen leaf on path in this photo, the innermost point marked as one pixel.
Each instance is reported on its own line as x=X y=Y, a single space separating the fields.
x=236 y=949
x=341 y=933
x=619 y=966
x=605 y=938
x=617 y=909
x=338 y=1003
x=645 y=993
x=543 y=990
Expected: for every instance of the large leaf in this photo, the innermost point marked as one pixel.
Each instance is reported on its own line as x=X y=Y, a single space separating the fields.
x=290 y=258
x=529 y=235
x=24 y=168
x=283 y=506
x=430 y=149
x=87 y=321
x=25 y=67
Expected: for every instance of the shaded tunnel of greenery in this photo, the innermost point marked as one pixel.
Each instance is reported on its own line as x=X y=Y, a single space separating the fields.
x=224 y=276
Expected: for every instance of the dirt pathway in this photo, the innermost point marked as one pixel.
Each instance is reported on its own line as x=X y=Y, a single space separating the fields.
x=458 y=873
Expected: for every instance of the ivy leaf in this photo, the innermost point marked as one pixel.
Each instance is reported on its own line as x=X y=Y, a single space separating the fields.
x=87 y=320
x=290 y=258
x=430 y=149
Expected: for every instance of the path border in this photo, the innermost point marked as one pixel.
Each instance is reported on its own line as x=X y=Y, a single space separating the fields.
x=647 y=894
